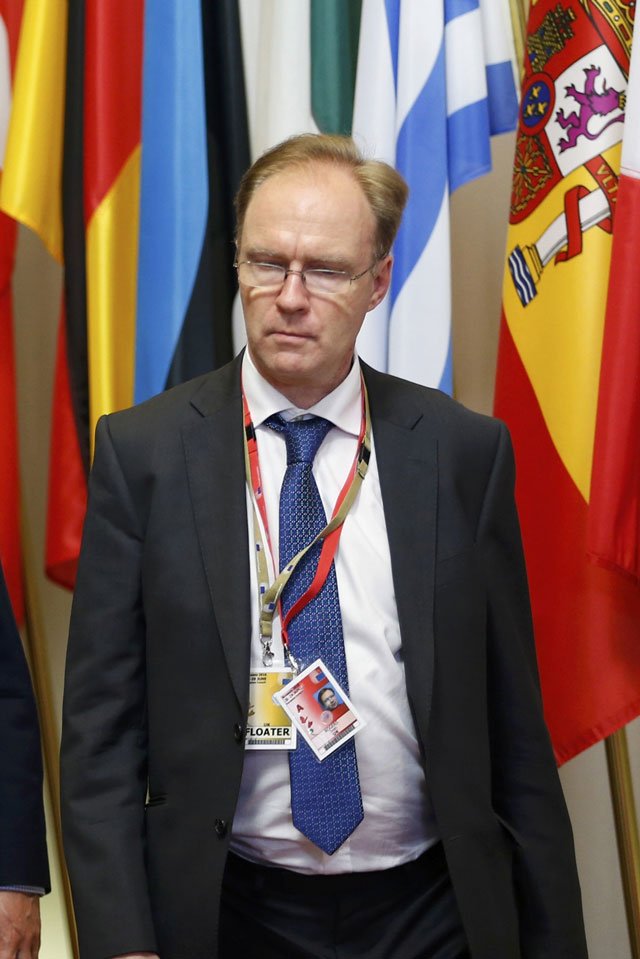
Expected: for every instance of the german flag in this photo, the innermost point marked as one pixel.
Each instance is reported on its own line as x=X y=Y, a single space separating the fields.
x=562 y=223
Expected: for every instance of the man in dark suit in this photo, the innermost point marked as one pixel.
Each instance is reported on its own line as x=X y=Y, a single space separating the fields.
x=439 y=831
x=24 y=874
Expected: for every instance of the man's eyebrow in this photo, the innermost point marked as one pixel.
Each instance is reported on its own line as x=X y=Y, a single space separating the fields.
x=327 y=261
x=255 y=253
x=330 y=262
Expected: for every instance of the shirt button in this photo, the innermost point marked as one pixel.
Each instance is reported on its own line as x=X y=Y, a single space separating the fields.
x=238 y=733
x=220 y=827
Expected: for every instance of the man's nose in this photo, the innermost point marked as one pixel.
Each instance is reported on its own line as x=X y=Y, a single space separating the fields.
x=293 y=293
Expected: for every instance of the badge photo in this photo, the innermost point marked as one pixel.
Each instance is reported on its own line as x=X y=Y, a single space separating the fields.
x=320 y=709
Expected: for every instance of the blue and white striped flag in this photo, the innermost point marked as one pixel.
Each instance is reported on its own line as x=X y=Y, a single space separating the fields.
x=435 y=79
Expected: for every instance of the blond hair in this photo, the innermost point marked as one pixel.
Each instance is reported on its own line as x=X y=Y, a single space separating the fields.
x=384 y=189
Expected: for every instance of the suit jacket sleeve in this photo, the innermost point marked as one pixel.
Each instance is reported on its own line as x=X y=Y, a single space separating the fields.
x=23 y=854
x=527 y=794
x=104 y=739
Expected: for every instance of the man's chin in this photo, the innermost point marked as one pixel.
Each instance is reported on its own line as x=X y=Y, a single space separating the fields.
x=294 y=362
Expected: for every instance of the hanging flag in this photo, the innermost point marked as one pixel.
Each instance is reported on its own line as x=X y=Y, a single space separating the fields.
x=563 y=210
x=112 y=119
x=277 y=58
x=434 y=82
x=614 y=505
x=196 y=148
x=502 y=66
x=300 y=63
x=32 y=193
x=335 y=28
x=10 y=553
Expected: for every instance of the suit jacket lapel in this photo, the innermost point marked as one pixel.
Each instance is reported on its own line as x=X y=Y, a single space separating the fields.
x=215 y=466
x=406 y=454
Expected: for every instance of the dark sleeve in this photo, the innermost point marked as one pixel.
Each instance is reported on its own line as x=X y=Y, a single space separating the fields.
x=23 y=852
x=104 y=737
x=527 y=794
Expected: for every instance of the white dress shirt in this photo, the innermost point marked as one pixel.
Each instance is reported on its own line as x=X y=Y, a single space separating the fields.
x=398 y=823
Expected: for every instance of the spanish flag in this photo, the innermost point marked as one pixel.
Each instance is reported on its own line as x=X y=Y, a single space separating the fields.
x=564 y=217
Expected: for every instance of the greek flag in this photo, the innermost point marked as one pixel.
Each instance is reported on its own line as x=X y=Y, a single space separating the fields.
x=435 y=79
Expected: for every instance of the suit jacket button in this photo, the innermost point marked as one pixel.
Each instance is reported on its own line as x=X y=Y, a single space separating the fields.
x=238 y=733
x=220 y=827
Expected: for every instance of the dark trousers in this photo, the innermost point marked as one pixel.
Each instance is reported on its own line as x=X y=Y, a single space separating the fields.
x=408 y=912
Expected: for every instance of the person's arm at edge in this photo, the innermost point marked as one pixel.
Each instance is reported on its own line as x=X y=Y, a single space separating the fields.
x=24 y=875
x=19 y=924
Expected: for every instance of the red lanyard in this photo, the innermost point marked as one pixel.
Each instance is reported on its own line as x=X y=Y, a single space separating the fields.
x=330 y=535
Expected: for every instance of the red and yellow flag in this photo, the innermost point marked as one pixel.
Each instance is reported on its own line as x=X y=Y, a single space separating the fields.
x=112 y=130
x=563 y=216
x=32 y=181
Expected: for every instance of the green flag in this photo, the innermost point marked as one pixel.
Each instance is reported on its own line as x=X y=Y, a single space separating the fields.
x=335 y=27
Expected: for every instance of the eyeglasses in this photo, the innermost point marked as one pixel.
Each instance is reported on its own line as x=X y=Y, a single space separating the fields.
x=267 y=276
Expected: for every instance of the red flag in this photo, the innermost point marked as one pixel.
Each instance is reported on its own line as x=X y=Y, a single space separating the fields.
x=563 y=213
x=614 y=508
x=31 y=184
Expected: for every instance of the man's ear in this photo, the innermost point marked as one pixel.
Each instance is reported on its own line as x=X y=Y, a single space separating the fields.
x=381 y=281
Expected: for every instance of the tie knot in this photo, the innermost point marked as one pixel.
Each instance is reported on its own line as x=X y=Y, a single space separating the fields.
x=303 y=437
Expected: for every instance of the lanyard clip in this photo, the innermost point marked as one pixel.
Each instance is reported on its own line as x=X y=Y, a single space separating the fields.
x=267 y=651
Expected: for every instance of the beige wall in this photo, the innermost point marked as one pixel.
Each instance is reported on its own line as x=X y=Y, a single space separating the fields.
x=480 y=212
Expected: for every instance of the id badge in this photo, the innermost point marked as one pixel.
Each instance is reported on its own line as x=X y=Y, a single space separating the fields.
x=320 y=710
x=268 y=725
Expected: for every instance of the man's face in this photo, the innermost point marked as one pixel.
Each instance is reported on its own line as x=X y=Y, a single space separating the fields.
x=303 y=343
x=328 y=699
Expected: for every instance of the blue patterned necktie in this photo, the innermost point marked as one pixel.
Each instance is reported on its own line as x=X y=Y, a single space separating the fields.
x=325 y=796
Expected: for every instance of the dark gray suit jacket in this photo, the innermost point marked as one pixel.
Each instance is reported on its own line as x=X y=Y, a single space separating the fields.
x=157 y=677
x=23 y=851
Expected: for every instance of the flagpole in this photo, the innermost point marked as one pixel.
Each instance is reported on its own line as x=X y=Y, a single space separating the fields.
x=624 y=812
x=519 y=12
x=40 y=674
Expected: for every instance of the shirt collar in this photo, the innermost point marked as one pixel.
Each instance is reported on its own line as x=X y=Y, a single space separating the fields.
x=342 y=407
